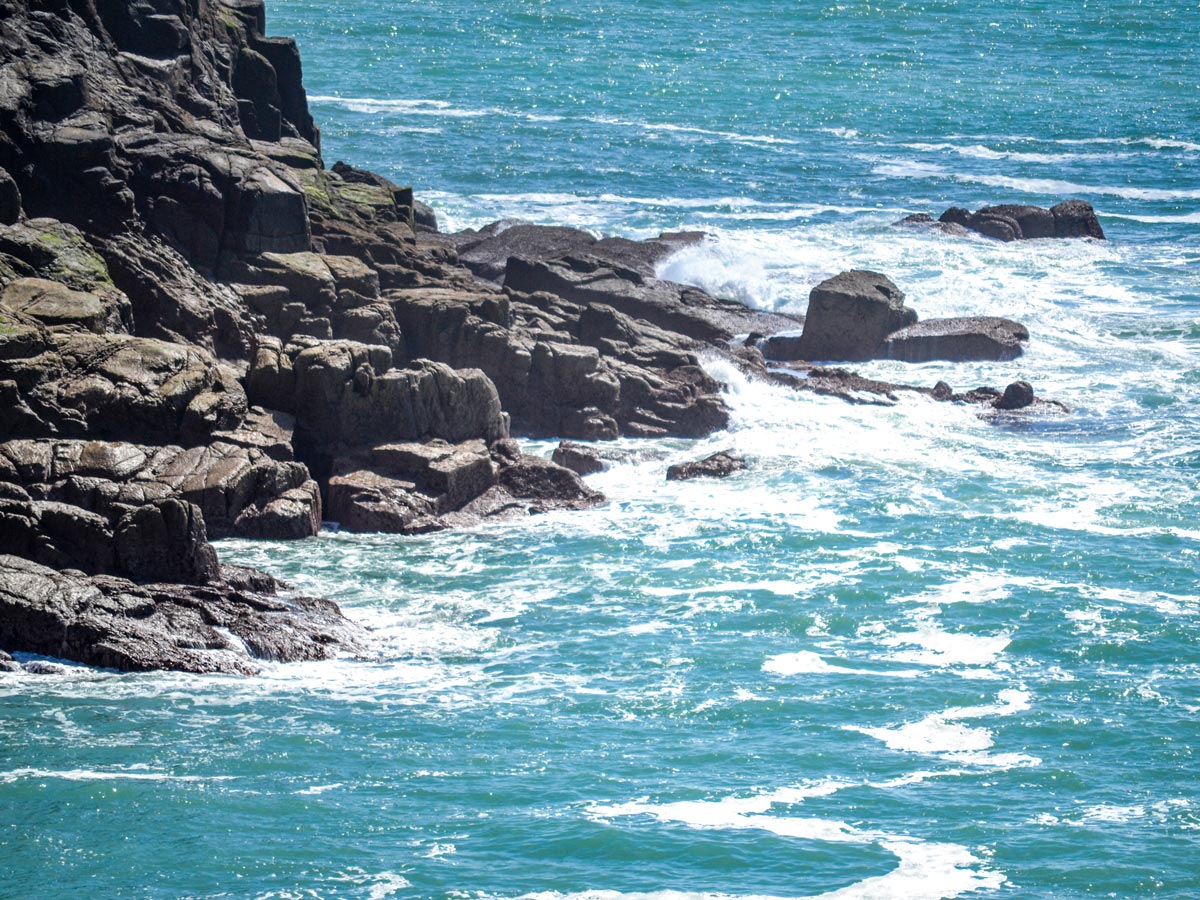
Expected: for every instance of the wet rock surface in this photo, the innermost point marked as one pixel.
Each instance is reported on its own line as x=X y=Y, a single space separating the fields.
x=217 y=627
x=719 y=465
x=850 y=315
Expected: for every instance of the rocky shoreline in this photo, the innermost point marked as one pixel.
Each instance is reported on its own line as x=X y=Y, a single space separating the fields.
x=206 y=332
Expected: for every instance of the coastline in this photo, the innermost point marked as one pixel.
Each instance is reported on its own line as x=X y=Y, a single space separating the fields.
x=281 y=343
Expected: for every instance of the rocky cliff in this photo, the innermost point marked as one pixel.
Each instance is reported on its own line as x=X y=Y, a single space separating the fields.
x=205 y=331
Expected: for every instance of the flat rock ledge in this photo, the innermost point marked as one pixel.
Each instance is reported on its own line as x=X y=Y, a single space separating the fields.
x=828 y=381
x=230 y=626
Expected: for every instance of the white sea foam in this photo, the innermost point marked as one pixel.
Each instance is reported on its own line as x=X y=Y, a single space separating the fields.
x=979 y=151
x=943 y=733
x=318 y=789
x=938 y=647
x=133 y=773
x=408 y=107
x=924 y=870
x=1183 y=218
x=1103 y=814
x=1156 y=143
x=1044 y=186
x=805 y=662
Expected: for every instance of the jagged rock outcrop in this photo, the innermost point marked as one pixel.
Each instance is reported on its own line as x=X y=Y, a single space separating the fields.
x=346 y=395
x=858 y=316
x=486 y=251
x=238 y=490
x=672 y=307
x=73 y=383
x=414 y=488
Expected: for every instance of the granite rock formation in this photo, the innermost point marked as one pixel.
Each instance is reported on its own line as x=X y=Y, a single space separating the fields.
x=1017 y=222
x=206 y=332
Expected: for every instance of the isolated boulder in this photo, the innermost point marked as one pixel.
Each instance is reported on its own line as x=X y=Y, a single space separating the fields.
x=850 y=315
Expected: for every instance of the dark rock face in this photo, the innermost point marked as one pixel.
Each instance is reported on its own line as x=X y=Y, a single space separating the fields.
x=850 y=316
x=1011 y=222
x=345 y=394
x=564 y=368
x=1017 y=395
x=719 y=465
x=113 y=386
x=958 y=340
x=782 y=348
x=165 y=541
x=221 y=627
x=10 y=199
x=146 y=512
x=487 y=251
x=1075 y=218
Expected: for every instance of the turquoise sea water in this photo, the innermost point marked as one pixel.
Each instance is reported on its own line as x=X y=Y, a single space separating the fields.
x=910 y=654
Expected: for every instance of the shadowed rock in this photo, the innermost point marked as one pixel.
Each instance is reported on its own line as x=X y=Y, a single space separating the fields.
x=579 y=459
x=416 y=488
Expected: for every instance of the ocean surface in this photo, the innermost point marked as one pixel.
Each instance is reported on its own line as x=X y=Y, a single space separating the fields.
x=911 y=653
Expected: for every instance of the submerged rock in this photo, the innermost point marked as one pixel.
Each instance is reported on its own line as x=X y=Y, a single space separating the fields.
x=719 y=465
x=1017 y=395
